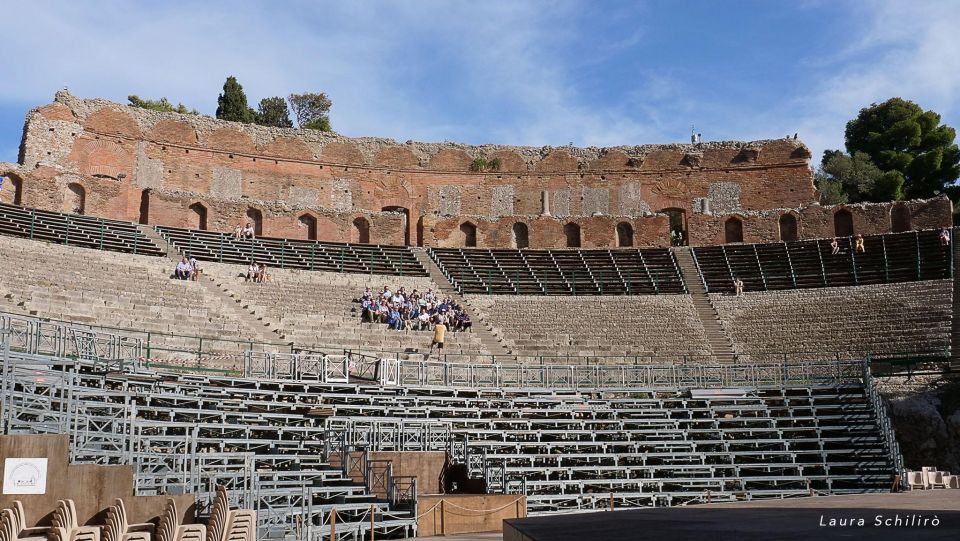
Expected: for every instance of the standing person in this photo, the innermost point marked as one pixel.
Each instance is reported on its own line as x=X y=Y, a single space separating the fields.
x=858 y=244
x=738 y=287
x=195 y=270
x=439 y=333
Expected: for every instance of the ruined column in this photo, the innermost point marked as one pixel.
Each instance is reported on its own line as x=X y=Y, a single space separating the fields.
x=545 y=203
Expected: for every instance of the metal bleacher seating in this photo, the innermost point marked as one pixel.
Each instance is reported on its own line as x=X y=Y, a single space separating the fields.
x=560 y=272
x=75 y=230
x=654 y=435
x=895 y=257
x=295 y=254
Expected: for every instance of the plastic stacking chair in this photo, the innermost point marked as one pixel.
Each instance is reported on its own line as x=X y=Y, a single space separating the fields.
x=170 y=529
x=118 y=528
x=66 y=528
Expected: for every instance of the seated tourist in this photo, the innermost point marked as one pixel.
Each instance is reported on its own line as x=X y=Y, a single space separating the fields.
x=252 y=272
x=238 y=232
x=858 y=244
x=366 y=315
x=463 y=322
x=261 y=275
x=738 y=287
x=834 y=247
x=183 y=270
x=248 y=231
x=945 y=237
x=195 y=270
x=423 y=321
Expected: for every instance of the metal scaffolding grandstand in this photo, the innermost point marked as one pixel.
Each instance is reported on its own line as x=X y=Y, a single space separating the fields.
x=291 y=436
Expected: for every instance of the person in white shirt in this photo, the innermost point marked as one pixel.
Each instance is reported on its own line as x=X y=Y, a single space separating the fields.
x=252 y=271
x=183 y=270
x=248 y=231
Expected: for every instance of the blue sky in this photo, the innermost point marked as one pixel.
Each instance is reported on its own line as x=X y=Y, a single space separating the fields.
x=594 y=73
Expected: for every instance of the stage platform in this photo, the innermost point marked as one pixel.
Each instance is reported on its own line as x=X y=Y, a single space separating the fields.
x=930 y=514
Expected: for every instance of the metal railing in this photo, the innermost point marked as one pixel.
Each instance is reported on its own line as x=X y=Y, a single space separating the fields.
x=883 y=421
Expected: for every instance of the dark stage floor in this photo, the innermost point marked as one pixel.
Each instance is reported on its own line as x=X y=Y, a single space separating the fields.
x=931 y=514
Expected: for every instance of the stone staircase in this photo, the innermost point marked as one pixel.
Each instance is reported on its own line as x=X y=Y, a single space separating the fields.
x=481 y=327
x=720 y=343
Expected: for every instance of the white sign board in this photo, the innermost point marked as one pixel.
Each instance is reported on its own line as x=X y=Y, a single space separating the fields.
x=25 y=476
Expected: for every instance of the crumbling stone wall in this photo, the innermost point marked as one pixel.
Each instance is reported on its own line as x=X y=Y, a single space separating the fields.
x=816 y=221
x=116 y=152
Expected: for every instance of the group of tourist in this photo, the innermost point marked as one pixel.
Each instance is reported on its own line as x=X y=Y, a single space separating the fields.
x=858 y=246
x=417 y=311
x=188 y=269
x=257 y=273
x=243 y=231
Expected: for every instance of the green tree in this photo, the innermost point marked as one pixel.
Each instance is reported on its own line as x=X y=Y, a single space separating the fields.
x=910 y=145
x=162 y=105
x=842 y=178
x=312 y=110
x=232 y=104
x=274 y=112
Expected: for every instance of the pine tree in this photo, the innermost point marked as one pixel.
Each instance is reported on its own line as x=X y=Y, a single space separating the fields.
x=274 y=112
x=232 y=104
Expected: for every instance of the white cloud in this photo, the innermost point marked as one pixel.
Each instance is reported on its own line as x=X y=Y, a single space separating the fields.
x=907 y=49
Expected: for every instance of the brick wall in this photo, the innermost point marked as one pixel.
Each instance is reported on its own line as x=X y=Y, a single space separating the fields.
x=116 y=152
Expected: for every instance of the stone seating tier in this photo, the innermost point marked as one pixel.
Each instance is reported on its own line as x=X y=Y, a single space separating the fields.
x=890 y=319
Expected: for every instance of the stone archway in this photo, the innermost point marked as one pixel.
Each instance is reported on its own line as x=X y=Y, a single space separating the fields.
x=198 y=216
x=360 y=232
x=406 y=221
x=75 y=199
x=624 y=235
x=468 y=234
x=788 y=228
x=144 y=207
x=308 y=225
x=843 y=223
x=572 y=233
x=520 y=236
x=733 y=230
x=900 y=218
x=255 y=217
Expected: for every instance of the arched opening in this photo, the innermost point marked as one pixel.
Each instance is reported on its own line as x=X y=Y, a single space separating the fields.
x=11 y=183
x=361 y=231
x=308 y=226
x=145 y=206
x=75 y=200
x=733 y=230
x=406 y=221
x=624 y=234
x=468 y=233
x=788 y=228
x=198 y=216
x=572 y=232
x=900 y=218
x=255 y=217
x=520 y=236
x=678 y=226
x=843 y=223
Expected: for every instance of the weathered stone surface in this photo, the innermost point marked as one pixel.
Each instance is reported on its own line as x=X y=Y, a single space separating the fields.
x=561 y=203
x=149 y=172
x=227 y=183
x=449 y=200
x=303 y=197
x=501 y=201
x=724 y=197
x=341 y=195
x=596 y=201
